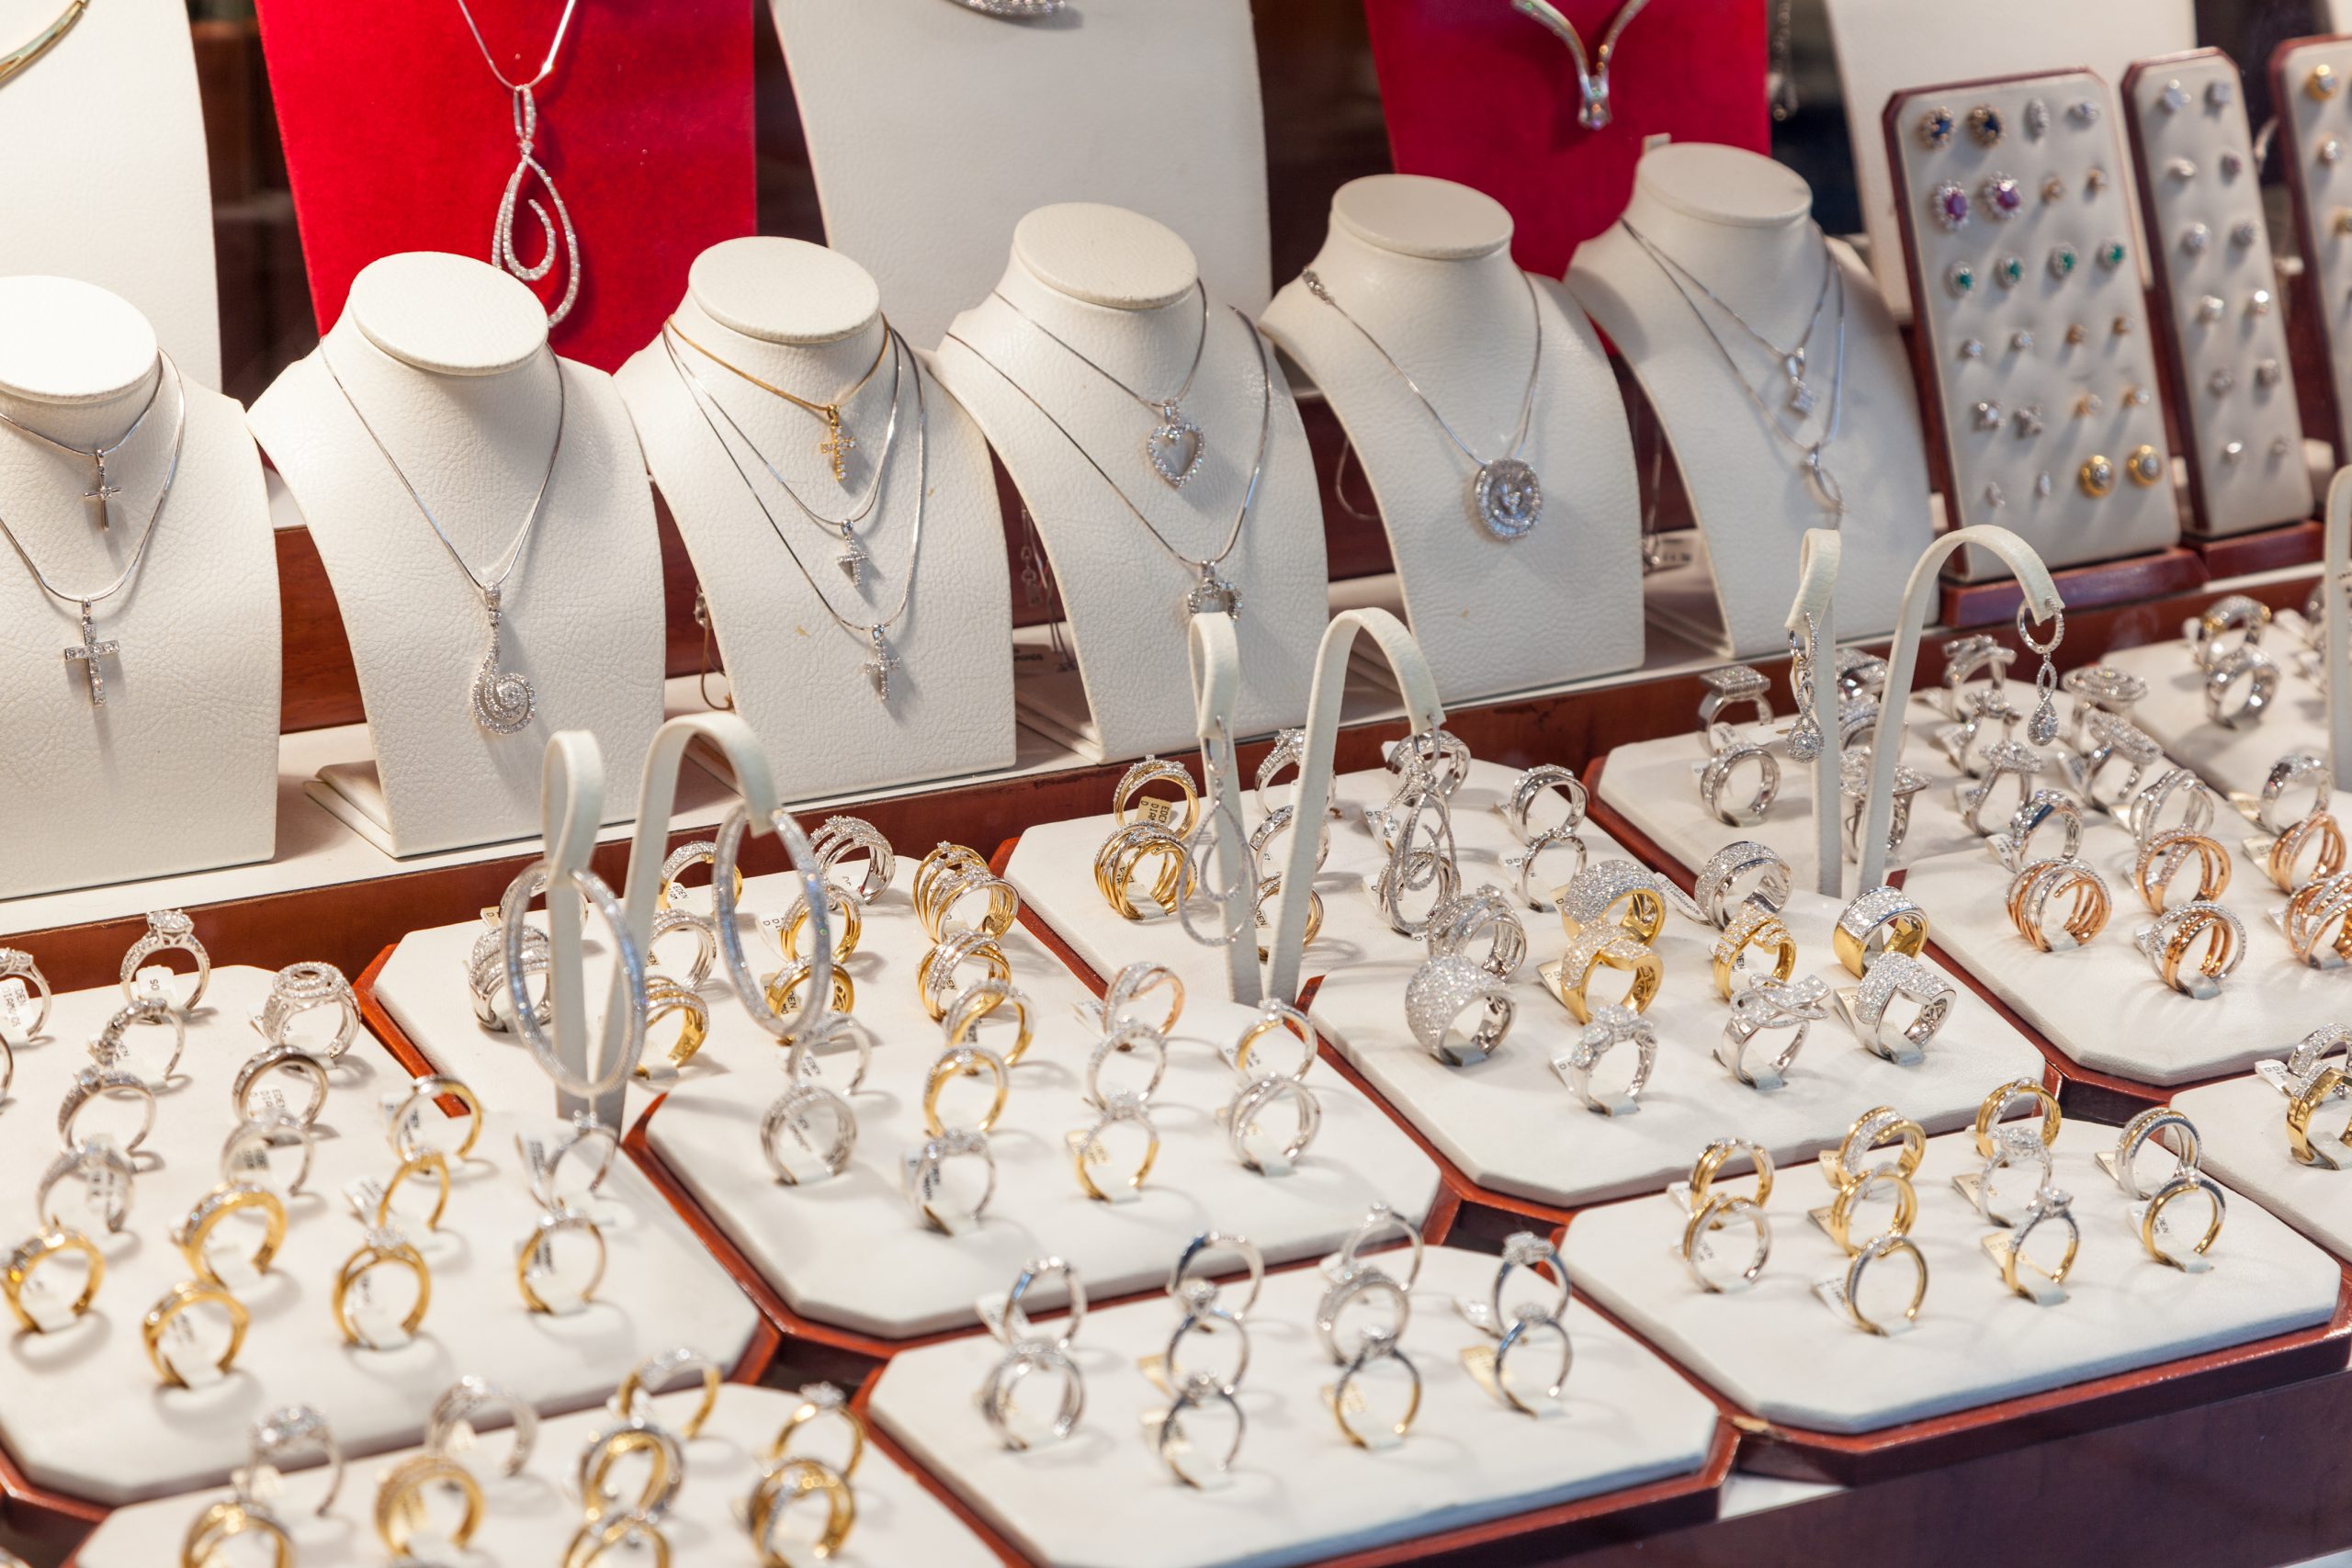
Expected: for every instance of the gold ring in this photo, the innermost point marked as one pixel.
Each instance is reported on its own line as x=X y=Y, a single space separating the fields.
x=2319 y=829
x=1718 y=1214
x=431 y=1163
x=1876 y=1128
x=591 y=1540
x=2182 y=1183
x=658 y=1367
x=705 y=854
x=1711 y=1164
x=2324 y=1086
x=817 y=1402
x=2313 y=911
x=1274 y=1018
x=1604 y=948
x=381 y=1247
x=940 y=863
x=786 y=983
x=1181 y=814
x=784 y=1484
x=1996 y=1104
x=1121 y=859
x=936 y=971
x=1753 y=926
x=194 y=1233
x=1882 y=920
x=224 y=1521
x=982 y=999
x=32 y=1254
x=537 y=1255
x=400 y=1500
x=848 y=926
x=664 y=997
x=2035 y=885
x=948 y=890
x=1850 y=1196
x=2162 y=857
x=183 y=1297
x=1871 y=1252
x=1088 y=1147
x=963 y=1061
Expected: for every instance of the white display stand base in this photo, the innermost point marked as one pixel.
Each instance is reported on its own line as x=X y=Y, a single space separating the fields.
x=1654 y=786
x=1884 y=46
x=1299 y=1492
x=849 y=1250
x=1087 y=103
x=1780 y=1354
x=63 y=1395
x=2172 y=713
x=2243 y=1123
x=529 y=1517
x=116 y=106
x=2103 y=1004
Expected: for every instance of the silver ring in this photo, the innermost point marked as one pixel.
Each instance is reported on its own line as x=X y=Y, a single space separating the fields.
x=1440 y=756
x=1732 y=686
x=1361 y=1285
x=111 y=1049
x=2146 y=817
x=2010 y=1145
x=1204 y=1317
x=1965 y=658
x=1122 y=1039
x=838 y=838
x=2294 y=770
x=1769 y=1004
x=1719 y=880
x=486 y=972
x=1959 y=741
x=2205 y=634
x=923 y=1173
x=2012 y=844
x=2304 y=1061
x=2005 y=758
x=2097 y=689
x=1283 y=1019
x=279 y=1059
x=1020 y=1361
x=1516 y=1336
x=107 y=1178
x=1859 y=674
x=583 y=1135
x=289 y=1432
x=1854 y=797
x=1459 y=922
x=2140 y=1131
x=2153 y=940
x=1522 y=864
x=679 y=861
x=1181 y=1280
x=2253 y=668
x=1377 y=1346
x=1718 y=1213
x=1442 y=993
x=463 y=1403
x=244 y=1153
x=1716 y=776
x=800 y=1066
x=2114 y=737
x=669 y=922
x=169 y=931
x=790 y=1113
x=17 y=965
x=1518 y=808
x=1525 y=1252
x=1014 y=1322
x=1380 y=1221
x=1415 y=866
x=300 y=988
x=1170 y=1443
x=1892 y=975
x=1252 y=1100
x=95 y=1083
x=1612 y=1026
x=604 y=1505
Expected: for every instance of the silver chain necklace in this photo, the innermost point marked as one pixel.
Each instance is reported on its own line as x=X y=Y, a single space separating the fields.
x=1176 y=448
x=881 y=659
x=502 y=700
x=1506 y=497
x=1592 y=71
x=1211 y=591
x=851 y=558
x=90 y=649
x=1802 y=398
x=102 y=490
x=503 y=252
x=1825 y=485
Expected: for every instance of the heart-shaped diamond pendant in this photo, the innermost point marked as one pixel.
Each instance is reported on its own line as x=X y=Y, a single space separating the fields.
x=1176 y=446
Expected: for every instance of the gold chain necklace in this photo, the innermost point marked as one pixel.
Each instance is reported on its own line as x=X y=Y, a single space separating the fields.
x=838 y=443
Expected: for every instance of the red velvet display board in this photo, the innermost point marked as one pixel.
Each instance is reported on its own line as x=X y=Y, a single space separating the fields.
x=398 y=138
x=1476 y=93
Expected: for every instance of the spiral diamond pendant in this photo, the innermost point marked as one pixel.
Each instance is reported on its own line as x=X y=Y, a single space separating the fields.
x=556 y=235
x=503 y=702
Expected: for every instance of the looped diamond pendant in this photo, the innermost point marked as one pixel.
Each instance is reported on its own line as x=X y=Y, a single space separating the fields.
x=1213 y=593
x=556 y=233
x=503 y=701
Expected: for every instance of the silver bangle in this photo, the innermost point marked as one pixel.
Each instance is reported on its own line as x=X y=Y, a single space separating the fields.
x=111 y=1049
x=1252 y=1100
x=278 y=1058
x=95 y=1083
x=627 y=992
x=301 y=988
x=1717 y=887
x=169 y=931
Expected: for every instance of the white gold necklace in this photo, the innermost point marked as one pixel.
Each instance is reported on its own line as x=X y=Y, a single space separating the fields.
x=91 y=649
x=503 y=252
x=502 y=699
x=1592 y=71
x=1506 y=497
x=102 y=490
x=1175 y=448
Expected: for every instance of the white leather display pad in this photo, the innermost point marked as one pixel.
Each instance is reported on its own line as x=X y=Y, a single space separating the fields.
x=2172 y=713
x=1780 y=1354
x=1739 y=221
x=114 y=107
x=1997 y=468
x=2103 y=1004
x=2243 y=1125
x=530 y=1518
x=1299 y=1491
x=850 y=1250
x=582 y=611
x=1425 y=266
x=2196 y=217
x=1884 y=46
x=99 y=794
x=2320 y=189
x=1123 y=590
x=63 y=1395
x=1088 y=105
x=1654 y=785
x=798 y=677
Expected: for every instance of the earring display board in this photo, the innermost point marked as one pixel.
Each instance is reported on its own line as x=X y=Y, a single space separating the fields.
x=398 y=137
x=1298 y=1491
x=2308 y=78
x=115 y=100
x=1654 y=786
x=1759 y=342
x=1423 y=268
x=1123 y=292
x=1880 y=46
x=1083 y=105
x=445 y=361
x=929 y=556
x=1694 y=74
x=2034 y=342
x=113 y=709
x=60 y=1393
x=2242 y=1128
x=530 y=1517
x=2103 y=1004
x=850 y=1250
x=2201 y=192
x=2173 y=713
x=1780 y=1354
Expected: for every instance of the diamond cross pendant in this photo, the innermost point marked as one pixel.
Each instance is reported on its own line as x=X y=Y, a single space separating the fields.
x=837 y=444
x=89 y=652
x=101 y=493
x=877 y=668
x=851 y=560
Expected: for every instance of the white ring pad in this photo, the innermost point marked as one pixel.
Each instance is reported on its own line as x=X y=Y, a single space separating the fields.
x=1424 y=266
x=528 y=1517
x=1775 y=1353
x=98 y=795
x=2103 y=1004
x=2242 y=1126
x=59 y=1417
x=1501 y=1120
x=850 y=1251
x=1298 y=1491
x=442 y=354
x=1654 y=786
x=808 y=318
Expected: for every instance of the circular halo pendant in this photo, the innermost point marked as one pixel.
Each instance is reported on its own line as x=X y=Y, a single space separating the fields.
x=1507 y=498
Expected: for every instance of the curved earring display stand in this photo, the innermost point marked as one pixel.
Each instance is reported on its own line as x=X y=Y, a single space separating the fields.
x=2041 y=602
x=2335 y=589
x=1215 y=655
x=1423 y=711
x=1818 y=560
x=571 y=805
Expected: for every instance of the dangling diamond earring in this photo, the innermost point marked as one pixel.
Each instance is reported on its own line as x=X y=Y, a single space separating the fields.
x=1805 y=740
x=2042 y=728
